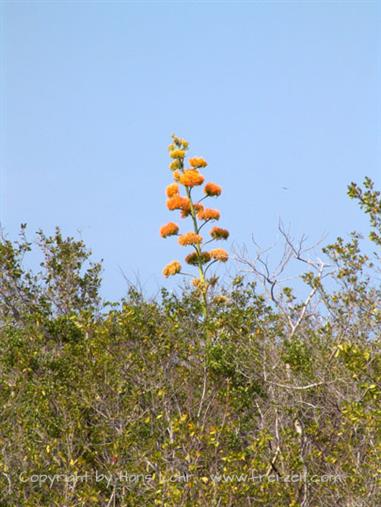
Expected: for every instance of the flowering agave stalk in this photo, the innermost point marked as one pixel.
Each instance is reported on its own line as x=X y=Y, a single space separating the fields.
x=180 y=197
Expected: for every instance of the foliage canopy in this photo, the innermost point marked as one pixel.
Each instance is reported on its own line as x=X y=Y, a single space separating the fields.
x=272 y=400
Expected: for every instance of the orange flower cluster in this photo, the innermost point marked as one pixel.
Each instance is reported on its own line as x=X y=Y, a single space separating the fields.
x=219 y=233
x=172 y=190
x=177 y=202
x=186 y=179
x=200 y=285
x=212 y=189
x=191 y=178
x=219 y=254
x=190 y=238
x=208 y=214
x=194 y=258
x=172 y=268
x=176 y=175
x=197 y=162
x=170 y=229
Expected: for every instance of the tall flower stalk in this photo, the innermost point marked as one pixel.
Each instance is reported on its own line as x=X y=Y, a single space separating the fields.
x=181 y=197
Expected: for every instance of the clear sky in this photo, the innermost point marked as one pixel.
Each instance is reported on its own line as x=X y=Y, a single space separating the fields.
x=272 y=94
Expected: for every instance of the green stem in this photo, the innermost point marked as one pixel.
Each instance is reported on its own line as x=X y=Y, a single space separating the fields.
x=198 y=250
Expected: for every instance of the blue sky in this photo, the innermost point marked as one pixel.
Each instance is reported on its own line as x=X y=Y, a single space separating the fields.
x=272 y=94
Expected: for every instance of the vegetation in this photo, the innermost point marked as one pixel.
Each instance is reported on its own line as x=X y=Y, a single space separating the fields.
x=265 y=399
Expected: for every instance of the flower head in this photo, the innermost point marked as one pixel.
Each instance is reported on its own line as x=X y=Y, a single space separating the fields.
x=200 y=285
x=170 y=229
x=179 y=154
x=179 y=142
x=219 y=254
x=195 y=258
x=191 y=178
x=175 y=164
x=172 y=189
x=212 y=189
x=176 y=175
x=208 y=214
x=177 y=202
x=172 y=268
x=219 y=233
x=190 y=238
x=197 y=162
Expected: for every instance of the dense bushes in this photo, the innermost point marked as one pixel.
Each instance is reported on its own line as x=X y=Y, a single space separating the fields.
x=271 y=400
